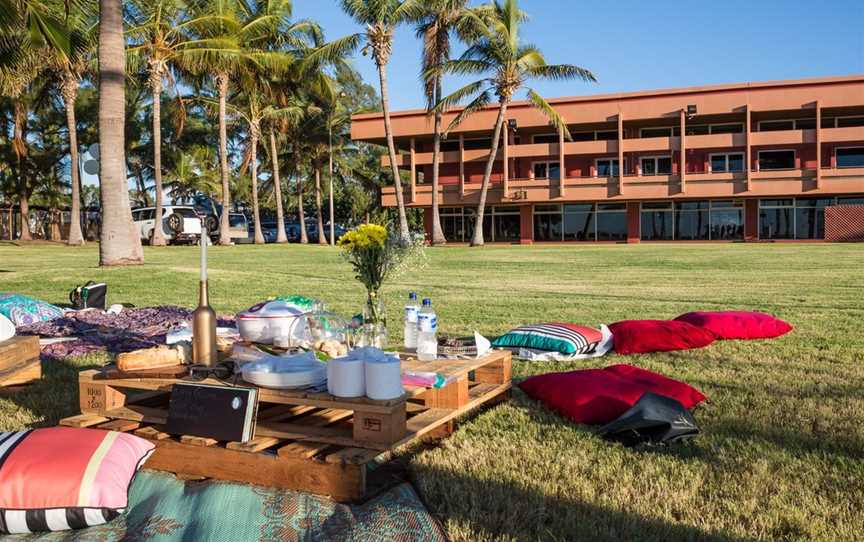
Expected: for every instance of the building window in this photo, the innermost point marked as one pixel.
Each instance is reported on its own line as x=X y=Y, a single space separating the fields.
x=582 y=136
x=477 y=144
x=777 y=159
x=698 y=129
x=547 y=170
x=579 y=222
x=545 y=138
x=850 y=157
x=505 y=224
x=692 y=221
x=787 y=124
x=449 y=146
x=606 y=167
x=606 y=135
x=734 y=128
x=727 y=162
x=611 y=222
x=656 y=165
x=810 y=217
x=657 y=221
x=547 y=223
x=727 y=220
x=663 y=131
x=453 y=223
x=777 y=219
x=848 y=122
x=850 y=200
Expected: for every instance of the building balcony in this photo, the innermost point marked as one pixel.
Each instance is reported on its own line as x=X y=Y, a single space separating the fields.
x=773 y=183
x=643 y=145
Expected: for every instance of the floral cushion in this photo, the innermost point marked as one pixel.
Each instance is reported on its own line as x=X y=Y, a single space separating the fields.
x=22 y=310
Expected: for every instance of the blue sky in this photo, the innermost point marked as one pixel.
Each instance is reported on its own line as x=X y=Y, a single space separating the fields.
x=641 y=45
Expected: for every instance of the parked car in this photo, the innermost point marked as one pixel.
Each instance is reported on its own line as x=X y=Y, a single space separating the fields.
x=180 y=224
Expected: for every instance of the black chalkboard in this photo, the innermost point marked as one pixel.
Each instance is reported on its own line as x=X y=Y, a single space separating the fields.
x=222 y=413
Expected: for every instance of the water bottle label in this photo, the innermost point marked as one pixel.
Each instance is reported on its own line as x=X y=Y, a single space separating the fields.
x=427 y=323
x=411 y=312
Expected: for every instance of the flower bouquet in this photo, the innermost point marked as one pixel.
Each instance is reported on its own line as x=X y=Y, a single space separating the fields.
x=376 y=256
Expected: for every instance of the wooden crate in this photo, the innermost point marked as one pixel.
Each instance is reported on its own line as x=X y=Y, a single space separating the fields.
x=305 y=441
x=19 y=361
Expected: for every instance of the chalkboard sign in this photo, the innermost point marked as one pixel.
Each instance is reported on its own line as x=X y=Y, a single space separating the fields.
x=222 y=413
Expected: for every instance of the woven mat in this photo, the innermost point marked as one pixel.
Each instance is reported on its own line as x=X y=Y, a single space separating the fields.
x=162 y=508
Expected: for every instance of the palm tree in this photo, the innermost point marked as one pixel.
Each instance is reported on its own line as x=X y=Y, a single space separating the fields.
x=120 y=243
x=380 y=18
x=73 y=67
x=14 y=82
x=507 y=63
x=159 y=38
x=281 y=236
x=439 y=20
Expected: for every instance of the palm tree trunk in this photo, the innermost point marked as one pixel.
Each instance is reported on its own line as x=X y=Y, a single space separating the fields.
x=70 y=94
x=253 y=167
x=119 y=241
x=322 y=238
x=224 y=224
x=391 y=148
x=281 y=237
x=304 y=237
x=20 y=150
x=330 y=184
x=477 y=241
x=158 y=237
x=437 y=233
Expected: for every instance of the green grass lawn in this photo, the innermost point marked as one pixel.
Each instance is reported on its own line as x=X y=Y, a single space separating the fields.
x=781 y=456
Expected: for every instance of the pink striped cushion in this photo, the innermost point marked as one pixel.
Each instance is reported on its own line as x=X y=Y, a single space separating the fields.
x=86 y=473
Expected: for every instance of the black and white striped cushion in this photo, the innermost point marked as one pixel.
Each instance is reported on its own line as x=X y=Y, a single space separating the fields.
x=53 y=519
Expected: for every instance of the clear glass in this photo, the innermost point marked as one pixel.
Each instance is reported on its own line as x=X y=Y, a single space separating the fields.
x=374 y=331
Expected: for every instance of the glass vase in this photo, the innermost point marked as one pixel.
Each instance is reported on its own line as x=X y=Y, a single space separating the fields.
x=374 y=321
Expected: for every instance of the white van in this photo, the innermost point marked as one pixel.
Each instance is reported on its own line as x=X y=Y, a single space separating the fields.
x=180 y=224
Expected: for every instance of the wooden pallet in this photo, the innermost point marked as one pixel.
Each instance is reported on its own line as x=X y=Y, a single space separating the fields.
x=19 y=361
x=304 y=441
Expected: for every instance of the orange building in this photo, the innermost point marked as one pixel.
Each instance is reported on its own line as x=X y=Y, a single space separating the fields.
x=749 y=161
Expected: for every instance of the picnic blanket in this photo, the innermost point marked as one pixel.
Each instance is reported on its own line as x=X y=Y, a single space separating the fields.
x=162 y=508
x=94 y=330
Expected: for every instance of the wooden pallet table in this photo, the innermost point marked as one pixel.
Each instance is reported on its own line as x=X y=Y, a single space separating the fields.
x=19 y=361
x=307 y=441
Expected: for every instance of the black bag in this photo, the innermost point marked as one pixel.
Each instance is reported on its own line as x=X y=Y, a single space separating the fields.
x=89 y=296
x=654 y=419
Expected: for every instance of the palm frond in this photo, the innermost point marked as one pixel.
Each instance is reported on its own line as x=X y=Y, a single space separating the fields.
x=555 y=119
x=481 y=101
x=561 y=72
x=456 y=97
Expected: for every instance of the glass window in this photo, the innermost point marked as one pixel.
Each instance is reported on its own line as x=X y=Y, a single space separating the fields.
x=656 y=132
x=850 y=201
x=727 y=162
x=611 y=226
x=846 y=122
x=810 y=223
x=850 y=157
x=776 y=160
x=805 y=124
x=545 y=138
x=547 y=227
x=454 y=227
x=579 y=226
x=727 y=223
x=150 y=214
x=692 y=221
x=657 y=205
x=582 y=136
x=776 y=125
x=449 y=146
x=727 y=128
x=607 y=167
x=698 y=129
x=607 y=135
x=579 y=208
x=776 y=223
x=478 y=144
x=828 y=122
x=657 y=225
x=611 y=207
x=506 y=227
x=547 y=170
x=656 y=165
x=547 y=209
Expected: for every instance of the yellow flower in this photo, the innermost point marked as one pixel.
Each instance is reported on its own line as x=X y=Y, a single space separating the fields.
x=364 y=236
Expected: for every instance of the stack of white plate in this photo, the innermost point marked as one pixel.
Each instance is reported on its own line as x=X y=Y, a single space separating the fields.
x=286 y=372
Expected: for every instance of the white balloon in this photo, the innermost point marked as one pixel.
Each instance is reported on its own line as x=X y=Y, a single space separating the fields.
x=91 y=167
x=93 y=150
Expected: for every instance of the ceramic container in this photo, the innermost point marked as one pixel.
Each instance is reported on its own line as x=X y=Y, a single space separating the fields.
x=265 y=321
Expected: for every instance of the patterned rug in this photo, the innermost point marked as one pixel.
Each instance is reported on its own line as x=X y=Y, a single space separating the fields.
x=162 y=508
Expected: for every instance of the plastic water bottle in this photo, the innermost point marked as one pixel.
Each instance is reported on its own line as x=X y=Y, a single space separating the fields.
x=411 y=313
x=427 y=327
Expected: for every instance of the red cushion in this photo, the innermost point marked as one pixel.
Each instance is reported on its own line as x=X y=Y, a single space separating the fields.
x=646 y=336
x=738 y=324
x=596 y=396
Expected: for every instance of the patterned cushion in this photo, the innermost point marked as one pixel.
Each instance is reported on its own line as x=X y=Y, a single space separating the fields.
x=62 y=478
x=554 y=337
x=23 y=310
